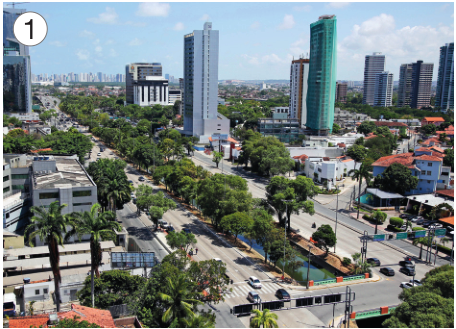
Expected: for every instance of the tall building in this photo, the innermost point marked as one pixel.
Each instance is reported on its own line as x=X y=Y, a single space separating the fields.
x=341 y=92
x=201 y=53
x=299 y=73
x=321 y=89
x=373 y=64
x=181 y=87
x=383 y=89
x=421 y=84
x=145 y=84
x=405 y=85
x=445 y=81
x=9 y=40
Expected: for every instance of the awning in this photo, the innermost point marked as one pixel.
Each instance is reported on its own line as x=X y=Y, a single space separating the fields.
x=447 y=220
x=383 y=195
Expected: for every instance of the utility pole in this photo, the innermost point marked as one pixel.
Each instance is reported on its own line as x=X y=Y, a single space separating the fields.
x=285 y=234
x=308 y=266
x=337 y=209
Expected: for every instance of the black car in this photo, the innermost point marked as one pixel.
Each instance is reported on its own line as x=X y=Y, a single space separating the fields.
x=141 y=179
x=427 y=223
x=130 y=181
x=407 y=262
x=407 y=270
x=134 y=200
x=169 y=229
x=282 y=294
x=387 y=271
x=373 y=261
x=187 y=230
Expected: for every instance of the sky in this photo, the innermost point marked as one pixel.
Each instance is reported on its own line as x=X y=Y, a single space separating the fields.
x=258 y=40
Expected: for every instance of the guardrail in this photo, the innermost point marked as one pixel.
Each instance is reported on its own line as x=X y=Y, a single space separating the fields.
x=354 y=277
x=372 y=313
x=327 y=281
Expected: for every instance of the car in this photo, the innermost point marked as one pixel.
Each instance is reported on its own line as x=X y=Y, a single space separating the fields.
x=217 y=260
x=404 y=216
x=132 y=195
x=373 y=261
x=416 y=282
x=282 y=294
x=387 y=271
x=253 y=297
x=410 y=271
x=254 y=282
x=406 y=285
x=99 y=154
x=407 y=262
x=141 y=179
x=187 y=230
x=169 y=228
x=111 y=153
x=427 y=223
x=163 y=224
x=416 y=219
x=420 y=221
x=134 y=200
x=130 y=181
x=101 y=149
x=435 y=226
x=449 y=229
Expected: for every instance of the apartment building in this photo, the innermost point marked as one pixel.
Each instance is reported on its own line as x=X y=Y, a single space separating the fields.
x=373 y=65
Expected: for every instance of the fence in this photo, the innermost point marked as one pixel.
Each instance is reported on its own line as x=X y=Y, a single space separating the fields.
x=327 y=281
x=354 y=277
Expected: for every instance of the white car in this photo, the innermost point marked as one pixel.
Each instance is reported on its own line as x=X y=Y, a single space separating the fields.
x=254 y=282
x=99 y=154
x=435 y=225
x=408 y=285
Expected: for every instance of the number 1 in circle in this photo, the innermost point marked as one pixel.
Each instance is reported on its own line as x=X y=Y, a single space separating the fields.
x=30 y=22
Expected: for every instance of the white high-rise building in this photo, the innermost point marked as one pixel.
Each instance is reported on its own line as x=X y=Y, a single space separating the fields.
x=299 y=73
x=201 y=54
x=383 y=95
x=374 y=64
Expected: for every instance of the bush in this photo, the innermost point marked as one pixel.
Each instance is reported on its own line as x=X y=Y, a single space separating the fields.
x=396 y=221
x=418 y=228
x=444 y=249
x=347 y=261
x=367 y=217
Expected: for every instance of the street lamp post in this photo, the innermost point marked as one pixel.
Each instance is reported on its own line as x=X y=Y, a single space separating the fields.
x=285 y=235
x=308 y=266
x=337 y=209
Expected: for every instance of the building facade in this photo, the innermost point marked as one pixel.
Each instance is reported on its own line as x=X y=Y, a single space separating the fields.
x=201 y=54
x=421 y=84
x=373 y=65
x=383 y=89
x=284 y=129
x=174 y=95
x=299 y=74
x=153 y=90
x=341 y=92
x=321 y=89
x=445 y=80
x=139 y=72
x=404 y=91
x=9 y=40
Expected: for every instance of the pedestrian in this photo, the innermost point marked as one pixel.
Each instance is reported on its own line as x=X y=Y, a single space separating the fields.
x=196 y=249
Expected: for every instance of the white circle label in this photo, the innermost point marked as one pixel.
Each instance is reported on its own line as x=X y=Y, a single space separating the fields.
x=30 y=28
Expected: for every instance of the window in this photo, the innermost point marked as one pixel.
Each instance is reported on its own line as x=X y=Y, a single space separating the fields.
x=18 y=187
x=53 y=195
x=429 y=164
x=19 y=176
x=429 y=182
x=6 y=178
x=82 y=204
x=6 y=189
x=45 y=291
x=82 y=193
x=37 y=291
x=429 y=173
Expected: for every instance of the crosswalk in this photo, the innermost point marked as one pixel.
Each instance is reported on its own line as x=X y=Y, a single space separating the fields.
x=241 y=290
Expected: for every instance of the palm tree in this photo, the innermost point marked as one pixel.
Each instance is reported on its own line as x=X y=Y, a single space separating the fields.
x=200 y=321
x=265 y=319
x=359 y=175
x=180 y=305
x=421 y=242
x=98 y=226
x=50 y=226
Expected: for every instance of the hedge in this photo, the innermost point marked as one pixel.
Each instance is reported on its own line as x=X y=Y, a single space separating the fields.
x=368 y=217
x=396 y=221
x=418 y=228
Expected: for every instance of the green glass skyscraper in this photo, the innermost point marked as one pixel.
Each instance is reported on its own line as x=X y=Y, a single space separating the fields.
x=321 y=90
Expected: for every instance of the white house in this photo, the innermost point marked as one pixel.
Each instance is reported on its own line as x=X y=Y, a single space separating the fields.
x=325 y=169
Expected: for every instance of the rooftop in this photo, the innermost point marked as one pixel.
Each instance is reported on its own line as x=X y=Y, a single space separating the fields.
x=389 y=124
x=430 y=200
x=406 y=159
x=447 y=193
x=72 y=247
x=433 y=119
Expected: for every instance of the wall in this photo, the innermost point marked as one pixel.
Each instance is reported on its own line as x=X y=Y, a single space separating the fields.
x=13 y=242
x=331 y=152
x=29 y=291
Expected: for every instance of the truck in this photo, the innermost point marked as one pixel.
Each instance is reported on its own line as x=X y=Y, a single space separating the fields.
x=9 y=305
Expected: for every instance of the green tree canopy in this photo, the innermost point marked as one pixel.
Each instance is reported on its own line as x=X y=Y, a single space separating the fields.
x=324 y=235
x=366 y=127
x=237 y=223
x=397 y=178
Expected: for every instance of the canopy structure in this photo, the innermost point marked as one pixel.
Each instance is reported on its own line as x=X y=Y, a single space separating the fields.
x=378 y=198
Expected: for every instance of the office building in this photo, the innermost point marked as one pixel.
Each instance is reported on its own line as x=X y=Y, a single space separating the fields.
x=181 y=87
x=201 y=53
x=9 y=40
x=405 y=85
x=321 y=89
x=138 y=73
x=445 y=81
x=341 y=92
x=299 y=74
x=283 y=128
x=373 y=65
x=174 y=95
x=383 y=89
x=421 y=84
x=17 y=84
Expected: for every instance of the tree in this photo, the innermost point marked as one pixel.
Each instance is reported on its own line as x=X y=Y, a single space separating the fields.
x=179 y=305
x=379 y=217
x=366 y=127
x=357 y=152
x=98 y=226
x=236 y=223
x=180 y=239
x=429 y=129
x=397 y=178
x=75 y=323
x=200 y=321
x=448 y=160
x=359 y=175
x=50 y=226
x=217 y=157
x=361 y=266
x=262 y=226
x=324 y=235
x=422 y=242
x=265 y=319
x=336 y=128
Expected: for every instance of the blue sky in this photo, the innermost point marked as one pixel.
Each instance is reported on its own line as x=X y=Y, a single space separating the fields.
x=258 y=40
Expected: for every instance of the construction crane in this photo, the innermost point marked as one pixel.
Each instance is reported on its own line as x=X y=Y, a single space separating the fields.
x=16 y=3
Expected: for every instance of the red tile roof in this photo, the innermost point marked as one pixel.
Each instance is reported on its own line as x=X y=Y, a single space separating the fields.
x=423 y=149
x=389 y=124
x=449 y=193
x=301 y=158
x=101 y=317
x=438 y=149
x=433 y=119
x=447 y=220
x=341 y=145
x=405 y=159
x=432 y=139
x=429 y=158
x=29 y=321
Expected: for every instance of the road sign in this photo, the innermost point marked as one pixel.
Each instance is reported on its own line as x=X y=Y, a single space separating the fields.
x=439 y=233
x=420 y=234
x=379 y=237
x=400 y=236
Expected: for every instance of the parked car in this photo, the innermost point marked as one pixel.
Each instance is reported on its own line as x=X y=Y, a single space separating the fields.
x=169 y=228
x=130 y=181
x=388 y=271
x=253 y=297
x=187 y=230
x=404 y=216
x=420 y=221
x=406 y=285
x=416 y=282
x=373 y=261
x=99 y=154
x=435 y=226
x=254 y=282
x=141 y=179
x=407 y=270
x=134 y=200
x=282 y=294
x=162 y=223
x=427 y=223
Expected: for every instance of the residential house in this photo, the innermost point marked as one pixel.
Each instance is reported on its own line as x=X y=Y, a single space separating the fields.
x=325 y=170
x=434 y=120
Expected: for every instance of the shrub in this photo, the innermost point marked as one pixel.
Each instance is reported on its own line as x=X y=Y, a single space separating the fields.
x=418 y=228
x=396 y=221
x=347 y=261
x=367 y=217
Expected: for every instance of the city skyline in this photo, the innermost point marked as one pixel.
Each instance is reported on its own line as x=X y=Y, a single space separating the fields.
x=106 y=36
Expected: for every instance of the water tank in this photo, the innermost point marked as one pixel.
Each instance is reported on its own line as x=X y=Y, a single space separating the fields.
x=46 y=158
x=40 y=158
x=35 y=158
x=26 y=280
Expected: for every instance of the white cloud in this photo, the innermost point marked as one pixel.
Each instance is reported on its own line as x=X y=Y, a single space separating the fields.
x=153 y=9
x=251 y=59
x=337 y=5
x=135 y=42
x=266 y=59
x=288 y=22
x=255 y=25
x=300 y=47
x=179 y=26
x=205 y=17
x=109 y=42
x=58 y=43
x=83 y=54
x=112 y=53
x=108 y=17
x=305 y=8
x=98 y=50
x=87 y=34
x=140 y=24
